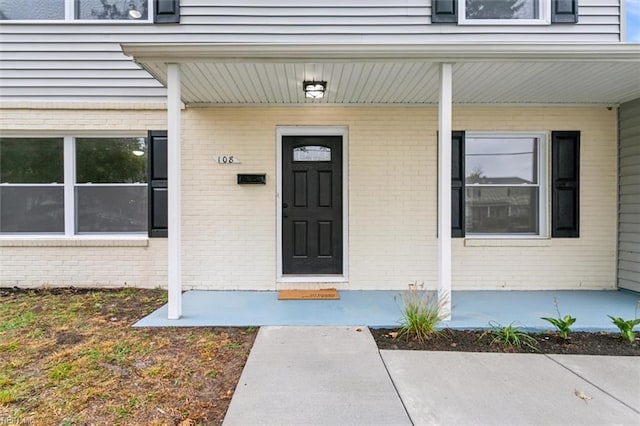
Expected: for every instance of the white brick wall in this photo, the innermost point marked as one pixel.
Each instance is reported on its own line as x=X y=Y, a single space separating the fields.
x=229 y=230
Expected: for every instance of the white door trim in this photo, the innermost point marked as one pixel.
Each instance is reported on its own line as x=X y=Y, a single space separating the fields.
x=318 y=131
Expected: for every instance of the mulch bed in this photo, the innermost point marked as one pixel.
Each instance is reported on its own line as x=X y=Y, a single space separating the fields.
x=579 y=343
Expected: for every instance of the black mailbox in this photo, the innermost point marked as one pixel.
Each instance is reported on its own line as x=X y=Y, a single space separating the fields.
x=252 y=179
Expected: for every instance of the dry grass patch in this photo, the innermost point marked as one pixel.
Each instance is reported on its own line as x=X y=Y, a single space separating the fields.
x=71 y=357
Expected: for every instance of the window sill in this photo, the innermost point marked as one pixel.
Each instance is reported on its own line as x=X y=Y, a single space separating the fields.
x=504 y=22
x=76 y=21
x=507 y=242
x=75 y=242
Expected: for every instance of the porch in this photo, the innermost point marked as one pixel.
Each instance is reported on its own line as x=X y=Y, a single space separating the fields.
x=382 y=309
x=200 y=78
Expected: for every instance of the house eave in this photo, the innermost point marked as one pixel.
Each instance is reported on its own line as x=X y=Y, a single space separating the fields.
x=204 y=52
x=367 y=74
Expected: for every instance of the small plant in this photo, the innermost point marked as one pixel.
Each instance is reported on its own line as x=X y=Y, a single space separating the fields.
x=421 y=313
x=563 y=324
x=61 y=371
x=6 y=397
x=626 y=326
x=510 y=335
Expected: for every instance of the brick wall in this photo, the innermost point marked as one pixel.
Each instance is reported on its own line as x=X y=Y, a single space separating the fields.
x=229 y=230
x=86 y=261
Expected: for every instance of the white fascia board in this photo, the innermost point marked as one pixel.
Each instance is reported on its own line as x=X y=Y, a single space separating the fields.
x=189 y=52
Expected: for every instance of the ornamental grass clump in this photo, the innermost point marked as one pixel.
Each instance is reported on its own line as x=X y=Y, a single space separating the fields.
x=421 y=313
x=511 y=335
x=563 y=324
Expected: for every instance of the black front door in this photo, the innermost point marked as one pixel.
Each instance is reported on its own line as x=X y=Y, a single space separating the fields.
x=312 y=204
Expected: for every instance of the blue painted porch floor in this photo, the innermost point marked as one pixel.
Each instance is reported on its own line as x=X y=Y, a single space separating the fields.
x=382 y=309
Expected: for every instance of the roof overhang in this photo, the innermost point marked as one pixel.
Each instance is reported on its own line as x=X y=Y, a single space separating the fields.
x=510 y=74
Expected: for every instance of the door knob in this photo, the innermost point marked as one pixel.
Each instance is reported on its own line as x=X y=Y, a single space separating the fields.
x=285 y=205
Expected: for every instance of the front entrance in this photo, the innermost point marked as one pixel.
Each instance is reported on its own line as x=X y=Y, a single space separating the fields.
x=312 y=217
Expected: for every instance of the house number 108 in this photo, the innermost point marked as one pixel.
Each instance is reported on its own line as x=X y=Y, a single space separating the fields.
x=227 y=159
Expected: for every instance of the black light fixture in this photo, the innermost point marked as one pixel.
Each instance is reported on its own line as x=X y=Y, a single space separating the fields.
x=314 y=89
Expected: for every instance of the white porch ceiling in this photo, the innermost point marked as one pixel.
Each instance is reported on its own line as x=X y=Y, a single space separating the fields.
x=406 y=79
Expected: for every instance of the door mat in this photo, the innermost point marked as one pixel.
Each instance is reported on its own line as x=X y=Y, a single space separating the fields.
x=322 y=294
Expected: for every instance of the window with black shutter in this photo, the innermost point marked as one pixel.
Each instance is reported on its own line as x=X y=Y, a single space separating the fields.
x=497 y=185
x=504 y=12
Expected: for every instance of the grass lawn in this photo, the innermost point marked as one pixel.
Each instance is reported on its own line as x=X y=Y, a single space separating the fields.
x=71 y=357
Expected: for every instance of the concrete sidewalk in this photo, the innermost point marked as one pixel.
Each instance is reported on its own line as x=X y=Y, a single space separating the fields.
x=337 y=376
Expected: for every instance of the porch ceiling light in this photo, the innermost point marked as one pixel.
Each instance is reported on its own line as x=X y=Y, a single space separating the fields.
x=314 y=89
x=135 y=14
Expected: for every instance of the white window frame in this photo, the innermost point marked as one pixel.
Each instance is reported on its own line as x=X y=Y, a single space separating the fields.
x=544 y=7
x=543 y=183
x=70 y=13
x=70 y=186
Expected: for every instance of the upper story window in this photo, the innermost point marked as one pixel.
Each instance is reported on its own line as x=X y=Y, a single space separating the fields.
x=497 y=12
x=72 y=10
x=504 y=12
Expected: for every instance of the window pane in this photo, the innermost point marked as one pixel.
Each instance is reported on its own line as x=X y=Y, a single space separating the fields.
x=502 y=9
x=502 y=210
x=32 y=209
x=31 y=160
x=111 y=209
x=31 y=9
x=312 y=153
x=112 y=9
x=111 y=160
x=501 y=161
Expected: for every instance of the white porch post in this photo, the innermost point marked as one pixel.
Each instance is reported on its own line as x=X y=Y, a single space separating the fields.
x=174 y=266
x=444 y=189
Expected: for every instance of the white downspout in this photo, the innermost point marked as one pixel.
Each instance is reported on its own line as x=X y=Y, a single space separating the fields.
x=444 y=190
x=174 y=266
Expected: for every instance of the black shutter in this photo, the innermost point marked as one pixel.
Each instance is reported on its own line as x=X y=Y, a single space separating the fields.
x=457 y=184
x=564 y=11
x=157 y=182
x=565 y=177
x=443 y=11
x=166 y=11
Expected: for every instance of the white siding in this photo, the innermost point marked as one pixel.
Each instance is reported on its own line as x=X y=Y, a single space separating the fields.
x=629 y=209
x=76 y=61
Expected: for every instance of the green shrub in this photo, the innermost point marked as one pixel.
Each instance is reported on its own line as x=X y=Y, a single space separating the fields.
x=626 y=326
x=563 y=324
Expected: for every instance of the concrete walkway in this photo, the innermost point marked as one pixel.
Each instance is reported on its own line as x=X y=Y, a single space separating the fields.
x=315 y=376
x=337 y=376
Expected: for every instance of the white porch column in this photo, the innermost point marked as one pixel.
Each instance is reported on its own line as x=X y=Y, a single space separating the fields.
x=174 y=268
x=444 y=189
